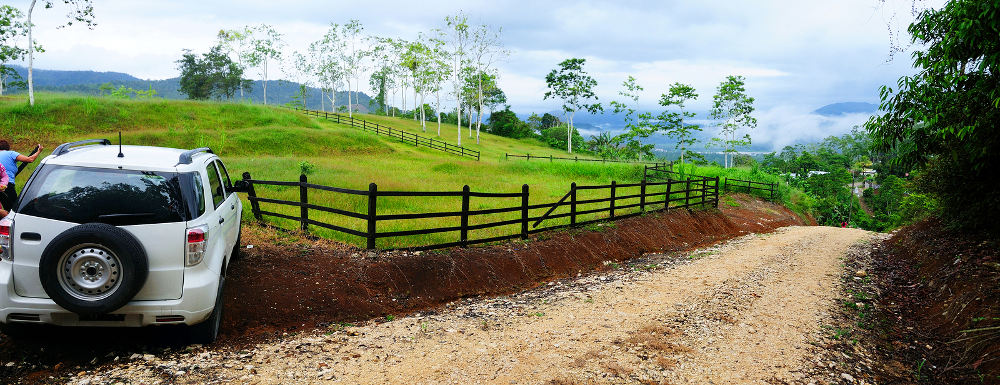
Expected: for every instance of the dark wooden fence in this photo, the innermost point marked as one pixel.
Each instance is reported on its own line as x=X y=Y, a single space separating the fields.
x=551 y=158
x=664 y=170
x=767 y=190
x=670 y=194
x=403 y=136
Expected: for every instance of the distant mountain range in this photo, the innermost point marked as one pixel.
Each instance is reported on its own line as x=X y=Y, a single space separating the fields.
x=89 y=82
x=838 y=109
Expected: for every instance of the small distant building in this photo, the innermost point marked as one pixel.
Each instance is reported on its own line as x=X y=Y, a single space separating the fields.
x=808 y=174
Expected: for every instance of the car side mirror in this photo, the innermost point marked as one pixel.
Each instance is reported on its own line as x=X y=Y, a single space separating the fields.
x=240 y=186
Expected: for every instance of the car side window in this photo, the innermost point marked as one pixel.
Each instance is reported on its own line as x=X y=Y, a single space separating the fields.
x=215 y=184
x=225 y=175
x=199 y=194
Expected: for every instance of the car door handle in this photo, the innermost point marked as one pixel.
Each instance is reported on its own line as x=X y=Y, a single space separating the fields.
x=222 y=220
x=233 y=207
x=26 y=236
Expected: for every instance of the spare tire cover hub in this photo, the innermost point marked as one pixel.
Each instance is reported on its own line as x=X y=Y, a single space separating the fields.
x=90 y=272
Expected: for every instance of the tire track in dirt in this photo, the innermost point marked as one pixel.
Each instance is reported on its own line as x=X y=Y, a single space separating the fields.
x=740 y=312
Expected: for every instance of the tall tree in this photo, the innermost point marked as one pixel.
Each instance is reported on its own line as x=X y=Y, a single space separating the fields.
x=330 y=69
x=12 y=28
x=352 y=58
x=458 y=31
x=486 y=50
x=672 y=119
x=267 y=45
x=575 y=87
x=638 y=125
x=237 y=43
x=381 y=79
x=302 y=70
x=732 y=107
x=82 y=12
x=437 y=68
x=943 y=120
x=213 y=74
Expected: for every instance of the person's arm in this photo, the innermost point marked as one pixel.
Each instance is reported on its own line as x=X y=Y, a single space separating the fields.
x=29 y=159
x=4 y=179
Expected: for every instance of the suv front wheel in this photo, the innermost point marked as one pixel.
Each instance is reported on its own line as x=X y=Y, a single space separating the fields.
x=93 y=269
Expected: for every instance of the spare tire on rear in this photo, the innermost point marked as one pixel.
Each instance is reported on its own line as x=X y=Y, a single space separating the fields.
x=93 y=269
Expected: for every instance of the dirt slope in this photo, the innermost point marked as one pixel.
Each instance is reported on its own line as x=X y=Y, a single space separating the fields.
x=747 y=311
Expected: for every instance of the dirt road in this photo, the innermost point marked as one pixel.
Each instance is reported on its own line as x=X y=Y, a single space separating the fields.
x=746 y=311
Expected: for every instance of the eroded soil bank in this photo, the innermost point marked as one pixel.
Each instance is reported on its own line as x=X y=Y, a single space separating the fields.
x=284 y=284
x=936 y=306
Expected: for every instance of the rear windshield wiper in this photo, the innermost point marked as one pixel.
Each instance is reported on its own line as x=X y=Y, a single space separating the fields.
x=128 y=215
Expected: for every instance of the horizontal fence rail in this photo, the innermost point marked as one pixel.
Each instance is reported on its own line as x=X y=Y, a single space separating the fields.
x=767 y=190
x=613 y=201
x=551 y=158
x=403 y=136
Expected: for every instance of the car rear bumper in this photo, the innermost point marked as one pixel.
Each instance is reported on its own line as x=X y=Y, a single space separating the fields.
x=194 y=306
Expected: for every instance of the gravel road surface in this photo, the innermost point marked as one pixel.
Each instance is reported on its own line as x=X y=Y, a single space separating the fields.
x=746 y=311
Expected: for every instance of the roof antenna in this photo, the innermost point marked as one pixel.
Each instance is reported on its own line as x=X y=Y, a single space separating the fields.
x=120 y=155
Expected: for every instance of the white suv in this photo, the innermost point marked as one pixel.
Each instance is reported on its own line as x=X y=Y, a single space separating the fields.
x=120 y=236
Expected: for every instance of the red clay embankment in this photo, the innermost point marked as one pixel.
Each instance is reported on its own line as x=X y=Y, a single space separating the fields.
x=286 y=283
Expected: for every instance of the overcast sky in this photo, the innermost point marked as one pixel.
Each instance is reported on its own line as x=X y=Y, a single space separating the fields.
x=797 y=55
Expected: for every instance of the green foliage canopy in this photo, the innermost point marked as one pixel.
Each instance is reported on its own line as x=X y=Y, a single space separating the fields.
x=944 y=118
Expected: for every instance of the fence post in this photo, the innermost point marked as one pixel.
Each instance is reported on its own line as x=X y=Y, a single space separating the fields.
x=372 y=200
x=666 y=197
x=550 y=158
x=524 y=211
x=572 y=204
x=612 y=209
x=465 y=216
x=506 y=156
x=716 y=192
x=708 y=197
x=772 y=191
x=252 y=197
x=642 y=195
x=303 y=201
x=687 y=192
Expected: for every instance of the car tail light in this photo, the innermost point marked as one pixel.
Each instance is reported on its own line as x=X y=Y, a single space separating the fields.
x=195 y=251
x=5 y=226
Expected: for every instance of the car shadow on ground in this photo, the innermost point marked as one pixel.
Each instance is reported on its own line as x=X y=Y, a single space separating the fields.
x=33 y=353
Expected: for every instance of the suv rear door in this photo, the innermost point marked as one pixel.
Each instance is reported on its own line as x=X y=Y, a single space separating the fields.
x=216 y=241
x=230 y=209
x=146 y=204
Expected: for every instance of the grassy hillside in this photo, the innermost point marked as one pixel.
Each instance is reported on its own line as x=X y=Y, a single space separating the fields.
x=271 y=143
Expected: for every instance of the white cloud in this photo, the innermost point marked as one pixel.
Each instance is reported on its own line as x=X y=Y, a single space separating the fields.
x=797 y=55
x=786 y=125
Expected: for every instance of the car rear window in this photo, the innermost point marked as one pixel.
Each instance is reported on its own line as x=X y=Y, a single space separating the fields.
x=117 y=197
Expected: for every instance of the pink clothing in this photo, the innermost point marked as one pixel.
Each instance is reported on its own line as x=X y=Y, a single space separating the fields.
x=4 y=179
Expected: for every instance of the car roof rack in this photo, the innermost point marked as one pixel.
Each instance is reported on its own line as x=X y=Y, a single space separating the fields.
x=67 y=147
x=186 y=156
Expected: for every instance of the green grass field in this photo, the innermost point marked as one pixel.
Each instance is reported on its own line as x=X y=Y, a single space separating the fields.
x=271 y=142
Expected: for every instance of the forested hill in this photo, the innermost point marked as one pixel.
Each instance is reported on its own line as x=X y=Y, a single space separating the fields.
x=89 y=82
